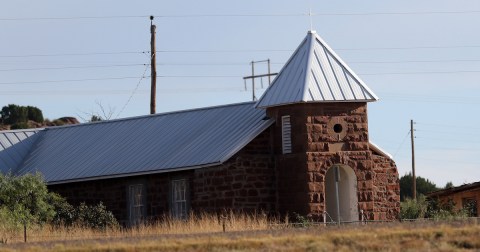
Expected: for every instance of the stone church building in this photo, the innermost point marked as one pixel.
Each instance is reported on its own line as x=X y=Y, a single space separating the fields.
x=302 y=148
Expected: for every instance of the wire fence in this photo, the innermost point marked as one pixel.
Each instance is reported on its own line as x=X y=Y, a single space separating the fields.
x=50 y=234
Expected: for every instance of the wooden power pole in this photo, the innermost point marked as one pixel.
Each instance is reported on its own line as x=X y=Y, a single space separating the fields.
x=414 y=185
x=153 y=68
x=253 y=76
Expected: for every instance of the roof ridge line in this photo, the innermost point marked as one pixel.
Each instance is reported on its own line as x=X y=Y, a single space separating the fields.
x=147 y=116
x=21 y=130
x=311 y=38
x=280 y=72
x=342 y=63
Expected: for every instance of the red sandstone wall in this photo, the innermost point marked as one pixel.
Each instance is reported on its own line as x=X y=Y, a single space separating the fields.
x=244 y=183
x=316 y=148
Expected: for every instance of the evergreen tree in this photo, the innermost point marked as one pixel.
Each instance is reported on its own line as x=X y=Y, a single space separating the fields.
x=424 y=186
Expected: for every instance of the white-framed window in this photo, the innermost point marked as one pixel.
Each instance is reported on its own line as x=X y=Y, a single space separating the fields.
x=136 y=202
x=179 y=198
x=286 y=135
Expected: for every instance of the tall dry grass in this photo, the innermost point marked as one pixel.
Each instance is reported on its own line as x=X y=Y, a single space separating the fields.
x=194 y=224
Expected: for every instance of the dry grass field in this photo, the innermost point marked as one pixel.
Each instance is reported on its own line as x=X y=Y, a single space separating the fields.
x=251 y=233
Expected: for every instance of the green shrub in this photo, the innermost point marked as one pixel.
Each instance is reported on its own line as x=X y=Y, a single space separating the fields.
x=96 y=216
x=64 y=212
x=431 y=208
x=87 y=216
x=9 y=226
x=34 y=114
x=413 y=209
x=26 y=198
x=14 y=114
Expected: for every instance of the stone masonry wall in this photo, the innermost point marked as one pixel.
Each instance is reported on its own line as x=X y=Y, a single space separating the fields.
x=245 y=183
x=318 y=144
x=386 y=189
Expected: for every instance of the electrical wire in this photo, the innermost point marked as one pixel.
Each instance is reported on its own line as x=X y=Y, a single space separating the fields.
x=241 y=51
x=401 y=144
x=245 y=15
x=68 y=54
x=133 y=92
x=69 y=67
x=72 y=80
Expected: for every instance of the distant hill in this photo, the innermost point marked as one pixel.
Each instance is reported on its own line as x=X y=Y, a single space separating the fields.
x=47 y=123
x=27 y=117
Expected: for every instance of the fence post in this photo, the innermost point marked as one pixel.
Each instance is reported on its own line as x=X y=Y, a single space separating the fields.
x=223 y=222
x=24 y=231
x=325 y=218
x=362 y=217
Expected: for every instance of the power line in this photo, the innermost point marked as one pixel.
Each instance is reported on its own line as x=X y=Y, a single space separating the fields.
x=449 y=126
x=414 y=61
x=68 y=54
x=407 y=48
x=199 y=76
x=423 y=72
x=212 y=76
x=245 y=15
x=74 y=80
x=246 y=50
x=337 y=49
x=220 y=65
x=401 y=144
x=68 y=18
x=133 y=92
x=69 y=67
x=119 y=92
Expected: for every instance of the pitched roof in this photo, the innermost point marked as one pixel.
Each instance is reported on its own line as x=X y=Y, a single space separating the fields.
x=143 y=145
x=14 y=146
x=315 y=73
x=452 y=190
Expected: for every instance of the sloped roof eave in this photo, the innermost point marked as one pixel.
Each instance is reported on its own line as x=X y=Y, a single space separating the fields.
x=309 y=102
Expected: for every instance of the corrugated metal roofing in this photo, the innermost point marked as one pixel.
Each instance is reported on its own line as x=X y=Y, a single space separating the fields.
x=315 y=73
x=14 y=146
x=148 y=144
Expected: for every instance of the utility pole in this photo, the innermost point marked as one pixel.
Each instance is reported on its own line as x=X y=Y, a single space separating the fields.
x=414 y=185
x=254 y=98
x=253 y=76
x=153 y=68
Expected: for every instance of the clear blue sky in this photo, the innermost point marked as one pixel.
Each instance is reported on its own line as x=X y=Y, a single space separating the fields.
x=422 y=58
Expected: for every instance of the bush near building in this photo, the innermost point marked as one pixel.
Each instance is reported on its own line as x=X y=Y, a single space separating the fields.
x=25 y=200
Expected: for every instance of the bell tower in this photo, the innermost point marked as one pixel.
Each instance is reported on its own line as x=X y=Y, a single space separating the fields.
x=320 y=109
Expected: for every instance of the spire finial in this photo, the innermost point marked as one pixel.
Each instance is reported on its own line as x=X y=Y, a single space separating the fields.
x=310 y=14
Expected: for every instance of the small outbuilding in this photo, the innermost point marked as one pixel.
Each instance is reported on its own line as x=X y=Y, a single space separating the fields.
x=302 y=148
x=466 y=196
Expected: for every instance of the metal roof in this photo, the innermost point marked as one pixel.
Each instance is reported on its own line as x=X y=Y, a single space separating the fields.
x=452 y=190
x=315 y=73
x=14 y=146
x=379 y=150
x=143 y=145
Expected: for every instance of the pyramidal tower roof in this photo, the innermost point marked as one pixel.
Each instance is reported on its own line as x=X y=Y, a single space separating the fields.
x=315 y=73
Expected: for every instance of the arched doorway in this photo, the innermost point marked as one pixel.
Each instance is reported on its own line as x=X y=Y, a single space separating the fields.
x=341 y=194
